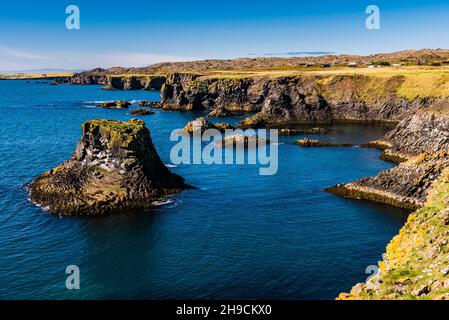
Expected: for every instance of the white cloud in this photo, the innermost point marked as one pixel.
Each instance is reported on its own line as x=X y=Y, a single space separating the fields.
x=15 y=53
x=15 y=59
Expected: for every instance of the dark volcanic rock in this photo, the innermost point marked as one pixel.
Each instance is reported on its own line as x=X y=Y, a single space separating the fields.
x=145 y=82
x=141 y=112
x=115 y=104
x=219 y=113
x=403 y=186
x=296 y=99
x=152 y=104
x=115 y=168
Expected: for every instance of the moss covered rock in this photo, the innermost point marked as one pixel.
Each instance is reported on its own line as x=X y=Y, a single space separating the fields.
x=114 y=168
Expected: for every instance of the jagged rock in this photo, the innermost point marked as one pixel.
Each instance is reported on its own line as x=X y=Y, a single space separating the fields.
x=317 y=143
x=114 y=168
x=130 y=82
x=404 y=186
x=292 y=132
x=152 y=104
x=219 y=113
x=141 y=112
x=254 y=122
x=295 y=99
x=201 y=125
x=115 y=104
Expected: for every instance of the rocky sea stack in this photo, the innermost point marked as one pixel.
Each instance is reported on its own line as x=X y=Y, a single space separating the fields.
x=114 y=168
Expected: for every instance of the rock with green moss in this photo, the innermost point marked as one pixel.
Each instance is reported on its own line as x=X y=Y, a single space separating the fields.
x=114 y=168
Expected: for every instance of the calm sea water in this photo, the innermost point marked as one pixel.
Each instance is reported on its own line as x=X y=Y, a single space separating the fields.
x=238 y=235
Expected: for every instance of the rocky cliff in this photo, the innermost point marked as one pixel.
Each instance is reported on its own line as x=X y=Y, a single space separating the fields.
x=114 y=168
x=296 y=99
x=416 y=262
x=147 y=82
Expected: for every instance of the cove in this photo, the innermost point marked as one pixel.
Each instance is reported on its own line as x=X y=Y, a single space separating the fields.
x=237 y=235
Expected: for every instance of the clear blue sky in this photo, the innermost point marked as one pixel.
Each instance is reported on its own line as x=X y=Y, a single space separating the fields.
x=138 y=33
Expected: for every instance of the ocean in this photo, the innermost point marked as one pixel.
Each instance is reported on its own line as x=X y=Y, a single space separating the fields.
x=236 y=235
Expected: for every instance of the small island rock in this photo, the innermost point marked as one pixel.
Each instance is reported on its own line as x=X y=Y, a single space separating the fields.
x=114 y=168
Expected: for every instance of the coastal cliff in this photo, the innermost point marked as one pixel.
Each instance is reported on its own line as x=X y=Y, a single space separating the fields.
x=130 y=82
x=114 y=168
x=292 y=99
x=416 y=262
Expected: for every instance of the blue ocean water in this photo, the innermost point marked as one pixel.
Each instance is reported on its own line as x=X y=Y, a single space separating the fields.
x=237 y=235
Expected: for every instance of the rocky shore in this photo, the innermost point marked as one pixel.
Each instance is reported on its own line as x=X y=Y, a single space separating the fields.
x=115 y=168
x=415 y=264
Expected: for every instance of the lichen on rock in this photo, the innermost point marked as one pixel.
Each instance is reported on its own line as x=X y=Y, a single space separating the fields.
x=415 y=265
x=114 y=168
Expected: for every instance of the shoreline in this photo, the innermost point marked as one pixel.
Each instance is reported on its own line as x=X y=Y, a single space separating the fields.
x=416 y=142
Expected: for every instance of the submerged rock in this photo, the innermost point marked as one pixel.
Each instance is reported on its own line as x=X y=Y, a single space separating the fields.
x=292 y=132
x=115 y=104
x=317 y=143
x=141 y=112
x=114 y=168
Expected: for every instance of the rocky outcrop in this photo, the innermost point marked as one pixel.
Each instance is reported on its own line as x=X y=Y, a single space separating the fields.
x=427 y=130
x=141 y=112
x=415 y=265
x=201 y=125
x=404 y=186
x=219 y=113
x=152 y=104
x=243 y=141
x=115 y=104
x=114 y=168
x=306 y=142
x=147 y=82
x=95 y=76
x=296 y=99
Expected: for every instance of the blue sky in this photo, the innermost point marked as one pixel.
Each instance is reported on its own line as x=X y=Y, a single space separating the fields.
x=138 y=33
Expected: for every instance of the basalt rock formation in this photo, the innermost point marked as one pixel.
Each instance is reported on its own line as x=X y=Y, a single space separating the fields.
x=114 y=168
x=147 y=82
x=296 y=99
